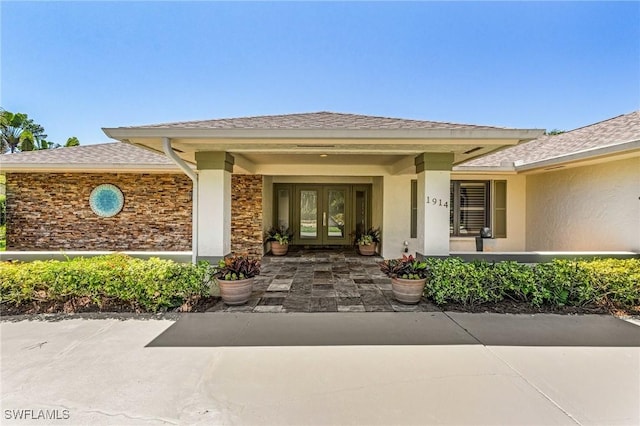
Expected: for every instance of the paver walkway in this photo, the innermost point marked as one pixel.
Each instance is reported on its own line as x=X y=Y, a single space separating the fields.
x=315 y=280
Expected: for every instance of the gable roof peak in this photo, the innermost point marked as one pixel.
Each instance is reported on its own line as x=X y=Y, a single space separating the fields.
x=315 y=120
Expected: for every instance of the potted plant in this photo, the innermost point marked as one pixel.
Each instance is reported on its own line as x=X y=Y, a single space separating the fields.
x=367 y=241
x=279 y=238
x=408 y=278
x=235 y=278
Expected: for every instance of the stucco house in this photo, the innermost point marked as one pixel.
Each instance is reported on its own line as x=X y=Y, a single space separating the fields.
x=214 y=186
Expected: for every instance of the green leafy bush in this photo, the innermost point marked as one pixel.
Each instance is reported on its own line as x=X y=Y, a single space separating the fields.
x=565 y=283
x=517 y=282
x=617 y=281
x=3 y=237
x=454 y=281
x=151 y=285
x=609 y=282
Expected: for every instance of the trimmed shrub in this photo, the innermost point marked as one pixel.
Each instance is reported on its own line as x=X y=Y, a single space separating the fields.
x=150 y=285
x=517 y=282
x=617 y=281
x=609 y=282
x=565 y=283
x=454 y=281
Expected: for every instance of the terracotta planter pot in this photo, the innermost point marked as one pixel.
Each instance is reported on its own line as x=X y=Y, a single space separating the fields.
x=408 y=292
x=368 y=250
x=235 y=292
x=279 y=249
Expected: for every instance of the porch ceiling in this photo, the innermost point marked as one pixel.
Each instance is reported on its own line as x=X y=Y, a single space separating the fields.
x=340 y=159
x=308 y=151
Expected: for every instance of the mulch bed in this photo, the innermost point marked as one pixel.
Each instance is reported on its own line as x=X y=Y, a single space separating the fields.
x=73 y=306
x=80 y=305
x=202 y=304
x=508 y=307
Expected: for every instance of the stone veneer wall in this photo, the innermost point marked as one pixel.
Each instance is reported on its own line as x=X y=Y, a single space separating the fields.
x=50 y=211
x=246 y=215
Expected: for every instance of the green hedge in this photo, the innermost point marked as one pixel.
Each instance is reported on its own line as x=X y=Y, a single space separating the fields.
x=151 y=285
x=609 y=282
x=154 y=285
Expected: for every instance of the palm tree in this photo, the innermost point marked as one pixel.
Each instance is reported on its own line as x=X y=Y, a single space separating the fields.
x=72 y=141
x=18 y=131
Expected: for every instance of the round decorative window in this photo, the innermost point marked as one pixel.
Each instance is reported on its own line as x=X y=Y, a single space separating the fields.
x=106 y=200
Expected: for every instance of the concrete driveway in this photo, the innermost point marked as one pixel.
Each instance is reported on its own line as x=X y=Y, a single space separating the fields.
x=330 y=368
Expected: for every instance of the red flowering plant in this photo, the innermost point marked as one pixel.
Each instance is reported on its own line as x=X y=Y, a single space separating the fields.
x=236 y=268
x=408 y=268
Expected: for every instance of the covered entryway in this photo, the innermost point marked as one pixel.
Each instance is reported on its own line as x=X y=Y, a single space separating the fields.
x=390 y=153
x=322 y=214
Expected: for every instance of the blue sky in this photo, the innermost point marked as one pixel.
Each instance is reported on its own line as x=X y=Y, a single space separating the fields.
x=75 y=67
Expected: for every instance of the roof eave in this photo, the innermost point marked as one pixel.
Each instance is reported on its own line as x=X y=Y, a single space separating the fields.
x=121 y=133
x=87 y=167
x=587 y=154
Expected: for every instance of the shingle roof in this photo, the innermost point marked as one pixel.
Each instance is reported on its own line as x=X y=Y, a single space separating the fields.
x=315 y=120
x=112 y=153
x=617 y=130
x=614 y=131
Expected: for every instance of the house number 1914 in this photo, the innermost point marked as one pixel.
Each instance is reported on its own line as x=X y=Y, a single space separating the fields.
x=437 y=202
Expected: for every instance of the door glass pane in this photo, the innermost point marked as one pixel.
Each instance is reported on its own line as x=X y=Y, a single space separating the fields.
x=283 y=208
x=414 y=209
x=361 y=212
x=336 y=205
x=308 y=214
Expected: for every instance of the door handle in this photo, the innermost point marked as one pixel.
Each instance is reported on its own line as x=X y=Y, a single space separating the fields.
x=324 y=218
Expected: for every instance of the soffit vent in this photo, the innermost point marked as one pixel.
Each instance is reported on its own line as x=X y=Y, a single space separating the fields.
x=316 y=146
x=472 y=150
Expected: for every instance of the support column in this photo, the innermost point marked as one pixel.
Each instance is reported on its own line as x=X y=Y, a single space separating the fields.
x=434 y=180
x=214 y=205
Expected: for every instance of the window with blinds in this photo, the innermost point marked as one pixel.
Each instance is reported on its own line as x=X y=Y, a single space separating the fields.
x=469 y=208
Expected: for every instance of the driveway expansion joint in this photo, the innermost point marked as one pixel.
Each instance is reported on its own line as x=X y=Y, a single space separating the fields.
x=533 y=386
